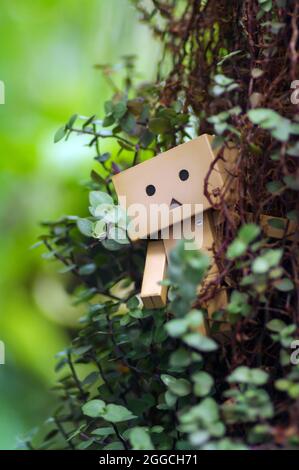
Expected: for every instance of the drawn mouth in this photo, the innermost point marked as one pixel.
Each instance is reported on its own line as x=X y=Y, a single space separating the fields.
x=174 y=203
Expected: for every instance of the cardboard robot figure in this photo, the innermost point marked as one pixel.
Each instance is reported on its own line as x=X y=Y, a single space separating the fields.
x=173 y=180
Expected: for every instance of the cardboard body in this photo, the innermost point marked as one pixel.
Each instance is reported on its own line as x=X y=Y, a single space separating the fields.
x=159 y=181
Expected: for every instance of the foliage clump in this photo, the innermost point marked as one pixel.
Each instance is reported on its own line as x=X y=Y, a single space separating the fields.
x=154 y=380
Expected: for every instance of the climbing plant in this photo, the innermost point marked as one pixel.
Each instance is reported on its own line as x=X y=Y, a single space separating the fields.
x=154 y=381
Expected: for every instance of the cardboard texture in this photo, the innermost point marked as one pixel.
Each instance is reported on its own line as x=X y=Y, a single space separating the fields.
x=175 y=178
x=163 y=173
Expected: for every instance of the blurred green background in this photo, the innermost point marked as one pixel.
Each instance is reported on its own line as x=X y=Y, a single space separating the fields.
x=48 y=49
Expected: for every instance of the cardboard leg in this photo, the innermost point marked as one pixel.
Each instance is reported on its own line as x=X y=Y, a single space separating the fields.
x=153 y=294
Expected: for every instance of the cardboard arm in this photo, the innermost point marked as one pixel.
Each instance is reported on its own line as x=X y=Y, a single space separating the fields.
x=153 y=294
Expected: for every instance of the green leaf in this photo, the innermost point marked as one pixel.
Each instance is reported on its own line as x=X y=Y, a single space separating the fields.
x=203 y=383
x=265 y=117
x=266 y=5
x=107 y=212
x=114 y=446
x=295 y=128
x=273 y=257
x=111 y=245
x=276 y=325
x=87 y=269
x=292 y=215
x=133 y=302
x=284 y=285
x=198 y=438
x=72 y=121
x=119 y=110
x=170 y=399
x=85 y=444
x=236 y=248
x=283 y=130
x=200 y=342
x=157 y=429
x=100 y=230
x=279 y=126
x=108 y=120
x=167 y=379
x=260 y=265
x=219 y=118
x=91 y=378
x=246 y=375
x=105 y=431
x=128 y=123
x=88 y=122
x=283 y=385
x=60 y=134
x=248 y=233
x=179 y=387
x=222 y=80
x=229 y=56
x=274 y=186
x=108 y=107
x=103 y=157
x=85 y=226
x=94 y=408
x=97 y=198
x=67 y=269
x=194 y=318
x=220 y=128
x=180 y=358
x=292 y=182
x=259 y=377
x=293 y=150
x=136 y=313
x=238 y=303
x=176 y=327
x=294 y=391
x=206 y=412
x=117 y=413
x=218 y=90
x=97 y=179
x=146 y=138
x=140 y=439
x=159 y=125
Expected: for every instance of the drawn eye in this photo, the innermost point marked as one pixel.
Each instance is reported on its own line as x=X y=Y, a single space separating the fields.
x=184 y=175
x=150 y=190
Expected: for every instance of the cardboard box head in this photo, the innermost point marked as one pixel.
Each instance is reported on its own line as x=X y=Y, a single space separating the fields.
x=172 y=180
